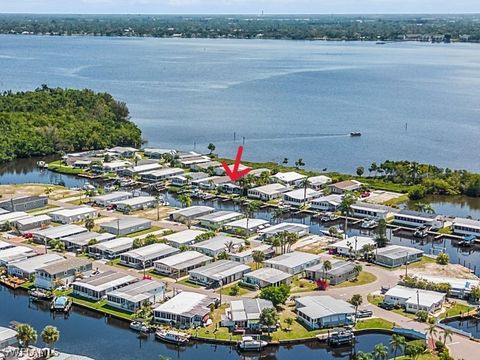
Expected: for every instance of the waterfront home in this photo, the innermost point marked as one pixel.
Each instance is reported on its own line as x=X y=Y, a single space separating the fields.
x=32 y=222
x=318 y=182
x=184 y=310
x=155 y=153
x=112 y=166
x=180 y=264
x=161 y=174
x=16 y=253
x=10 y=217
x=183 y=238
x=61 y=273
x=300 y=197
x=96 y=287
x=211 y=183
x=290 y=178
x=218 y=219
x=108 y=199
x=131 y=297
x=318 y=312
x=460 y=288
x=345 y=186
x=122 y=151
x=57 y=232
x=352 y=246
x=265 y=277
x=267 y=192
x=190 y=158
x=249 y=226
x=219 y=170
x=8 y=337
x=230 y=188
x=412 y=218
x=217 y=245
x=462 y=226
x=394 y=255
x=415 y=300
x=190 y=213
x=245 y=314
x=82 y=240
x=246 y=256
x=340 y=272
x=362 y=209
x=326 y=203
x=139 y=169
x=25 y=269
x=111 y=249
x=293 y=228
x=146 y=255
x=68 y=216
x=209 y=166
x=24 y=203
x=5 y=245
x=221 y=272
x=292 y=263
x=186 y=179
x=83 y=163
x=135 y=203
x=126 y=226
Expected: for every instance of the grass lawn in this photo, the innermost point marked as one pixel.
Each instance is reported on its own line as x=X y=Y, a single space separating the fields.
x=214 y=331
x=419 y=264
x=227 y=290
x=457 y=309
x=101 y=306
x=155 y=274
x=374 y=323
x=302 y=285
x=421 y=357
x=364 y=278
x=57 y=166
x=375 y=299
x=397 y=201
x=143 y=232
x=296 y=330
x=188 y=283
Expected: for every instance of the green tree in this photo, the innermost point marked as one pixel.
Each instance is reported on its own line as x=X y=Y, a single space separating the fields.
x=443 y=259
x=381 y=234
x=289 y=321
x=363 y=356
x=249 y=210
x=432 y=330
x=357 y=269
x=422 y=315
x=276 y=294
x=183 y=248
x=447 y=335
x=380 y=352
x=137 y=243
x=397 y=342
x=26 y=335
x=345 y=207
x=360 y=170
x=185 y=200
x=211 y=147
x=89 y=223
x=416 y=192
x=50 y=336
x=234 y=290
x=269 y=318
x=327 y=266
x=356 y=300
x=258 y=257
x=299 y=163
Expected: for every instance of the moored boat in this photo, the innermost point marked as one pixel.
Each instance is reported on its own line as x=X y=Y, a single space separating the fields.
x=250 y=343
x=341 y=337
x=61 y=304
x=40 y=295
x=369 y=224
x=355 y=133
x=139 y=326
x=172 y=336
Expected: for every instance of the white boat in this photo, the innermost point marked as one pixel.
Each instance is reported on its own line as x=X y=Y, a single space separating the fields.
x=328 y=216
x=369 y=224
x=250 y=343
x=173 y=337
x=139 y=326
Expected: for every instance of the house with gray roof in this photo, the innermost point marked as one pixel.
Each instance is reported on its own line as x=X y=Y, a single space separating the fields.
x=318 y=312
x=96 y=287
x=126 y=226
x=111 y=249
x=217 y=245
x=146 y=255
x=32 y=222
x=24 y=203
x=268 y=192
x=16 y=253
x=57 y=232
x=293 y=228
x=61 y=273
x=293 y=263
x=181 y=263
x=394 y=255
x=218 y=219
x=82 y=240
x=245 y=314
x=110 y=198
x=131 y=297
x=26 y=268
x=220 y=272
x=183 y=238
x=264 y=277
x=190 y=213
x=340 y=272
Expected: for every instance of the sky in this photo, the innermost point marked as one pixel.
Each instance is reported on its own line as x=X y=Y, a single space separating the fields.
x=239 y=6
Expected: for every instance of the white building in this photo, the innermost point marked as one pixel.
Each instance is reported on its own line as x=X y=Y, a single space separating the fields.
x=126 y=226
x=180 y=264
x=319 y=312
x=294 y=228
x=16 y=253
x=217 y=245
x=97 y=286
x=139 y=169
x=245 y=314
x=184 y=310
x=415 y=218
x=115 y=166
x=291 y=178
x=68 y=216
x=326 y=203
x=319 y=182
x=146 y=255
x=221 y=272
x=415 y=300
x=183 y=238
x=264 y=277
x=218 y=219
x=250 y=225
x=8 y=337
x=267 y=192
x=25 y=269
x=61 y=273
x=394 y=255
x=300 y=197
x=82 y=240
x=345 y=186
x=292 y=263
x=463 y=226
x=352 y=246
x=111 y=249
x=57 y=232
x=161 y=174
x=108 y=199
x=366 y=210
x=10 y=217
x=135 y=203
x=190 y=213
x=246 y=256
x=32 y=222
x=131 y=297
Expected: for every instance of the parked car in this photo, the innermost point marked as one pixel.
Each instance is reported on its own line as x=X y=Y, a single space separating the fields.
x=386 y=306
x=364 y=313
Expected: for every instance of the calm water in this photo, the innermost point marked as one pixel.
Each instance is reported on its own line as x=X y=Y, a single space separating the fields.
x=469 y=325
x=288 y=99
x=462 y=206
x=92 y=335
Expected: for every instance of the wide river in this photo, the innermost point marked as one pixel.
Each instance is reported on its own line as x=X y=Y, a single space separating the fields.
x=287 y=98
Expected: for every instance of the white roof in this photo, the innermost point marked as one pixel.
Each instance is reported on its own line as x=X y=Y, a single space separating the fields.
x=151 y=251
x=183 y=237
x=83 y=210
x=183 y=257
x=193 y=210
x=83 y=238
x=317 y=307
x=218 y=243
x=270 y=275
x=220 y=269
x=360 y=240
x=456 y=283
x=106 y=280
x=289 y=176
x=32 y=264
x=248 y=252
x=57 y=232
x=284 y=226
x=135 y=201
x=6 y=334
x=138 y=291
x=248 y=309
x=112 y=196
x=116 y=164
x=9 y=254
x=11 y=216
x=122 y=242
x=397 y=251
x=293 y=259
x=414 y=296
x=144 y=168
x=163 y=172
x=4 y=245
x=220 y=216
x=33 y=219
x=470 y=223
x=332 y=199
x=121 y=149
x=271 y=189
x=319 y=180
x=242 y=223
x=185 y=304
x=300 y=193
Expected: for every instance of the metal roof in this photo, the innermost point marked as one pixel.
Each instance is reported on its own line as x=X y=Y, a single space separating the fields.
x=152 y=251
x=188 y=304
x=183 y=237
x=269 y=275
x=317 y=307
x=220 y=269
x=184 y=259
x=137 y=292
x=293 y=259
x=62 y=266
x=107 y=280
x=248 y=309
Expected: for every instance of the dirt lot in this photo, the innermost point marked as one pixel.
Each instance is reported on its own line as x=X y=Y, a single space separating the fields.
x=56 y=192
x=381 y=197
x=151 y=214
x=451 y=270
x=312 y=244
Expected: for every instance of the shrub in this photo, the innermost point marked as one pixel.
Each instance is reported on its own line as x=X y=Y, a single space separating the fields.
x=417 y=192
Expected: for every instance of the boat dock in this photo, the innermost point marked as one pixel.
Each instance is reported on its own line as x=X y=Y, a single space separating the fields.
x=11 y=282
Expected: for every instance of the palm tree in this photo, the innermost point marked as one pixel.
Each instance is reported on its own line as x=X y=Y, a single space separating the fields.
x=277 y=215
x=380 y=352
x=363 y=356
x=397 y=342
x=89 y=223
x=447 y=334
x=258 y=257
x=291 y=239
x=249 y=210
x=432 y=331
x=229 y=246
x=345 y=207
x=356 y=300
x=26 y=335
x=185 y=200
x=50 y=335
x=269 y=318
x=327 y=266
x=304 y=185
x=357 y=269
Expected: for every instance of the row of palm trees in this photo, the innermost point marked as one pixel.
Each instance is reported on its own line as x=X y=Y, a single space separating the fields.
x=27 y=335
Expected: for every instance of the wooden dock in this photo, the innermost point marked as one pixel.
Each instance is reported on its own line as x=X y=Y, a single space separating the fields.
x=12 y=282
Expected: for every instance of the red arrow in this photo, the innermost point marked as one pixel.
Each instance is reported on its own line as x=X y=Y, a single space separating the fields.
x=235 y=174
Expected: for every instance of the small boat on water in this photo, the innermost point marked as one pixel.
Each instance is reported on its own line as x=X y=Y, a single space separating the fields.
x=341 y=337
x=61 y=304
x=42 y=164
x=250 y=343
x=139 y=326
x=421 y=232
x=329 y=217
x=172 y=336
x=40 y=295
x=355 y=133
x=468 y=240
x=369 y=224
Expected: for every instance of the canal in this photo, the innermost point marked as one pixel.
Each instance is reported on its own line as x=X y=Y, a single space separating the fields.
x=88 y=333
